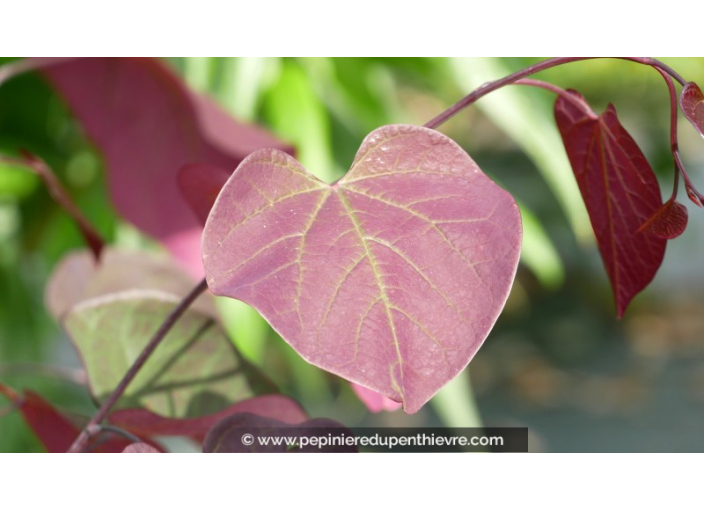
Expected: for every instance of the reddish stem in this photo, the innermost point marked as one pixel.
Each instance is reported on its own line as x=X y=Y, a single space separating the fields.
x=94 y=424
x=541 y=66
x=575 y=100
x=61 y=196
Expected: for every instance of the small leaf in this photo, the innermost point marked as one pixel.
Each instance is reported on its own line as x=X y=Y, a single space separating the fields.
x=195 y=371
x=692 y=104
x=148 y=125
x=374 y=401
x=391 y=278
x=147 y=424
x=78 y=277
x=140 y=448
x=620 y=192
x=668 y=222
x=249 y=433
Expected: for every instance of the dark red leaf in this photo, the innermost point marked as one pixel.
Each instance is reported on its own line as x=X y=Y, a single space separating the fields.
x=148 y=125
x=620 y=192
x=55 y=431
x=140 y=448
x=200 y=185
x=668 y=222
x=144 y=423
x=391 y=278
x=692 y=104
x=248 y=433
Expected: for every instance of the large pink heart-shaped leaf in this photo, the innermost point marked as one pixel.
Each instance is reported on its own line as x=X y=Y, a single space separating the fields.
x=392 y=277
x=620 y=191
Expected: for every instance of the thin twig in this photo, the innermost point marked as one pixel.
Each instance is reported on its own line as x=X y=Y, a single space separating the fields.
x=82 y=439
x=61 y=196
x=692 y=192
x=117 y=430
x=541 y=66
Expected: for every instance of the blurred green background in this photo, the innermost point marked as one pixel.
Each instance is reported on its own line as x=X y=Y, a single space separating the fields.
x=557 y=360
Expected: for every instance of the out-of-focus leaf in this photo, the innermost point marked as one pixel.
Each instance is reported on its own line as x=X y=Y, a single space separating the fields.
x=140 y=448
x=78 y=277
x=668 y=222
x=374 y=401
x=620 y=191
x=692 y=104
x=243 y=432
x=391 y=278
x=195 y=371
x=146 y=424
x=148 y=125
x=200 y=185
x=55 y=431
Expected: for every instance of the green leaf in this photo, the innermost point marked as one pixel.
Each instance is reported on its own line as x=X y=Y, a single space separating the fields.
x=195 y=371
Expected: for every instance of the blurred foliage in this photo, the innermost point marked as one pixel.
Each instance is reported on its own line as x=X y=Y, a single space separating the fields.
x=559 y=317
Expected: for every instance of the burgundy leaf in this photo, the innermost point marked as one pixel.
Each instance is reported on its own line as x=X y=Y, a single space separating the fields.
x=668 y=222
x=140 y=448
x=146 y=424
x=620 y=191
x=391 y=278
x=374 y=401
x=148 y=125
x=692 y=104
x=78 y=277
x=53 y=429
x=200 y=185
x=241 y=433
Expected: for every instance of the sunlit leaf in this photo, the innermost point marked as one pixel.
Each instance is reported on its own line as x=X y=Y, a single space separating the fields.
x=620 y=191
x=391 y=278
x=195 y=371
x=240 y=433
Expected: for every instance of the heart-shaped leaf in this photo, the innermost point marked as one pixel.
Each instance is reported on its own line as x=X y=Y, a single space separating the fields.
x=620 y=191
x=668 y=222
x=195 y=371
x=692 y=104
x=249 y=433
x=391 y=278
